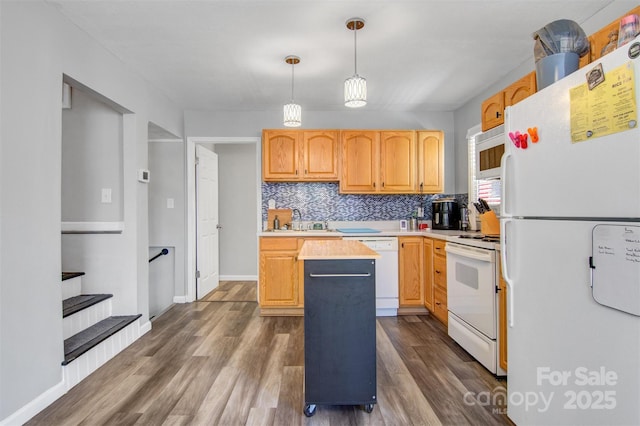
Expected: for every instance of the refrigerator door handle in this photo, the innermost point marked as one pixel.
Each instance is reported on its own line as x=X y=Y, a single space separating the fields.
x=504 y=171
x=505 y=268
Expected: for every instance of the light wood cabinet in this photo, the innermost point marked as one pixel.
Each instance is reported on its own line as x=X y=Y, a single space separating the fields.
x=281 y=275
x=520 y=90
x=605 y=40
x=440 y=281
x=502 y=320
x=398 y=162
x=278 y=272
x=320 y=155
x=280 y=155
x=379 y=162
x=360 y=161
x=492 y=109
x=427 y=250
x=297 y=155
x=410 y=268
x=430 y=161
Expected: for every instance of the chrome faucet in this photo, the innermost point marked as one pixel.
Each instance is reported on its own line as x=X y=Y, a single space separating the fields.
x=293 y=214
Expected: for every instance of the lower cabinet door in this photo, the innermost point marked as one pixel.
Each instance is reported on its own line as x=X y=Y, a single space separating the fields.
x=278 y=279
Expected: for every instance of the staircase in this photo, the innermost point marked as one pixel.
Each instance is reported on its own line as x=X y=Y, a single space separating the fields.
x=92 y=336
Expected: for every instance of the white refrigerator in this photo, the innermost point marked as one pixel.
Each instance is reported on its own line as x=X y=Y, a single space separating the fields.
x=570 y=227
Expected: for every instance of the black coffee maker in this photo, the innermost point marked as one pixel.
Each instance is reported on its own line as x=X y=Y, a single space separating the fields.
x=446 y=214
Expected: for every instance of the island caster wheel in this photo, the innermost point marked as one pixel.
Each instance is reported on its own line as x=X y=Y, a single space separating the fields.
x=309 y=410
x=368 y=408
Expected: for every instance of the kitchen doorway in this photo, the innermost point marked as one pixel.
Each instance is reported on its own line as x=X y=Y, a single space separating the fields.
x=238 y=236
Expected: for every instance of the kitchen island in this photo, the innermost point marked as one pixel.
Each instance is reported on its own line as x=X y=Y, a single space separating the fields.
x=339 y=324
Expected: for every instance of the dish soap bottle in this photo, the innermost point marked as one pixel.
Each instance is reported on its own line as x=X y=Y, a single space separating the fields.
x=276 y=223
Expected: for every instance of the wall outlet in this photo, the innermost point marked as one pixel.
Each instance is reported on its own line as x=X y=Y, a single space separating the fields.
x=170 y=203
x=106 y=195
x=420 y=212
x=272 y=204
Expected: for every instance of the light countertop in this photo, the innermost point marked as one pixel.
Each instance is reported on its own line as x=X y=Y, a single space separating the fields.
x=386 y=229
x=335 y=250
x=433 y=233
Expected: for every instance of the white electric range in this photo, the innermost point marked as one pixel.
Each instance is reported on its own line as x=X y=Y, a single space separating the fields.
x=472 y=297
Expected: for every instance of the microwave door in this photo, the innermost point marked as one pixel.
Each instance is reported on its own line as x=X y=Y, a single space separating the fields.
x=489 y=151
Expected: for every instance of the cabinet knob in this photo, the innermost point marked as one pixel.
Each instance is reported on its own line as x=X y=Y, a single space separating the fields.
x=498 y=114
x=437 y=272
x=374 y=184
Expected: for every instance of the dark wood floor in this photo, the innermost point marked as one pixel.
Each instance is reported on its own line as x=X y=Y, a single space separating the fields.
x=219 y=362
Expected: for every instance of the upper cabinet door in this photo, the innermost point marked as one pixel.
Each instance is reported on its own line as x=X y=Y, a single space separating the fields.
x=520 y=90
x=493 y=111
x=281 y=155
x=360 y=161
x=398 y=162
x=320 y=153
x=431 y=161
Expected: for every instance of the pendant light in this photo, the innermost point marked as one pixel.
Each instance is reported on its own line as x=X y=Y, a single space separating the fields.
x=355 y=87
x=292 y=111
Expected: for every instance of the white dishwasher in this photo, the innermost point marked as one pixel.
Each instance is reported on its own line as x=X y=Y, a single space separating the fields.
x=386 y=273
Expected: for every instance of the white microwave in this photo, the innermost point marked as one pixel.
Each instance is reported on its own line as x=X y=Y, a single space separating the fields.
x=489 y=150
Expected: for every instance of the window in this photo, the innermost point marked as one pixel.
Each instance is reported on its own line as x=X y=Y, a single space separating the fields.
x=489 y=190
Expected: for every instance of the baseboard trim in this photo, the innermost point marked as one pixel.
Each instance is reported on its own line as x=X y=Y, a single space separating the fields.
x=281 y=312
x=238 y=278
x=417 y=310
x=179 y=299
x=41 y=402
x=145 y=328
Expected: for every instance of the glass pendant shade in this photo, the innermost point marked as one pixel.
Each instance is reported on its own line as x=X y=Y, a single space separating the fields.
x=292 y=111
x=355 y=91
x=355 y=87
x=292 y=115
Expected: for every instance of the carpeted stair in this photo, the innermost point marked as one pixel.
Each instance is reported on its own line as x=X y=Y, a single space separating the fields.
x=80 y=343
x=77 y=303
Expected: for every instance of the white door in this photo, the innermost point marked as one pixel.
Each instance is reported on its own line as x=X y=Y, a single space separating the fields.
x=207 y=249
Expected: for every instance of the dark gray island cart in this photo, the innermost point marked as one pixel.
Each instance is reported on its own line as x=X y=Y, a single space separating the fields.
x=339 y=324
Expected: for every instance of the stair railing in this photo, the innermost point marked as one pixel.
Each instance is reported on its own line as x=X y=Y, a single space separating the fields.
x=162 y=253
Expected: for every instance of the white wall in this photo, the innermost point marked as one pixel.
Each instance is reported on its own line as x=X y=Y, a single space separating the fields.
x=38 y=46
x=238 y=206
x=469 y=114
x=91 y=160
x=167 y=225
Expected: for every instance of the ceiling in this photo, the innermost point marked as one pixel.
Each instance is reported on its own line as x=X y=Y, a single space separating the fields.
x=229 y=55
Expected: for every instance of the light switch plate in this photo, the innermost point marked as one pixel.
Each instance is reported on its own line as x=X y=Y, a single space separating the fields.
x=106 y=195
x=143 y=175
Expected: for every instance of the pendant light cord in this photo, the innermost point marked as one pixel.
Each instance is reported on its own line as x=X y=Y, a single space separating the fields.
x=355 y=48
x=292 y=79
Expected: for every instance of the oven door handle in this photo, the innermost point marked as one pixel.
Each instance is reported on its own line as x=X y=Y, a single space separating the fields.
x=482 y=255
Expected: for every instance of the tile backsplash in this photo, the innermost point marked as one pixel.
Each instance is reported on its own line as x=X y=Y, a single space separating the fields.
x=322 y=201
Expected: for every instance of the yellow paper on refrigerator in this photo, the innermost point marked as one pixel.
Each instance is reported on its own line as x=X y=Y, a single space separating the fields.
x=608 y=108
